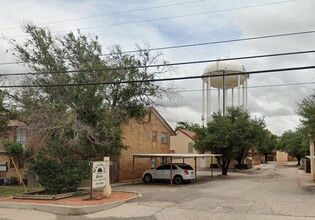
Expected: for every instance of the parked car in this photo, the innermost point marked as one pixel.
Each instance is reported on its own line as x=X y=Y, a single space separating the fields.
x=181 y=172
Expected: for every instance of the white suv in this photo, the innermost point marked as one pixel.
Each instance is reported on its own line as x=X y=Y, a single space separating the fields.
x=181 y=172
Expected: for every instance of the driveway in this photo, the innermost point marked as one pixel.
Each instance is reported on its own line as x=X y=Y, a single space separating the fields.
x=275 y=191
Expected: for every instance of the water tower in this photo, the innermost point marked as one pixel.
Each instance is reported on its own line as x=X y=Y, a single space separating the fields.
x=218 y=81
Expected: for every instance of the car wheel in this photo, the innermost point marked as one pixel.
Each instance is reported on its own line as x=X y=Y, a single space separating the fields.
x=147 y=178
x=178 y=179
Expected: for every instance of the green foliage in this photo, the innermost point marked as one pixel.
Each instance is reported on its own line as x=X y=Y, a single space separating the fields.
x=231 y=135
x=188 y=126
x=83 y=121
x=294 y=143
x=306 y=111
x=267 y=143
x=58 y=176
x=4 y=113
x=10 y=190
x=14 y=149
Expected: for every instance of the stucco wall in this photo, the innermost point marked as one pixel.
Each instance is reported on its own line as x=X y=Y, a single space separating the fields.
x=281 y=156
x=179 y=144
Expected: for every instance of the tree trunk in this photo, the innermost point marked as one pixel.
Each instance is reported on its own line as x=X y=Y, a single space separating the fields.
x=299 y=160
x=266 y=158
x=225 y=167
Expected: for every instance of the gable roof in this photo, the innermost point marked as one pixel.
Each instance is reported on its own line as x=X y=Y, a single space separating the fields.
x=162 y=120
x=188 y=133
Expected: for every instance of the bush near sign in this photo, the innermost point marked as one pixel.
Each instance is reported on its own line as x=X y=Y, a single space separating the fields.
x=98 y=174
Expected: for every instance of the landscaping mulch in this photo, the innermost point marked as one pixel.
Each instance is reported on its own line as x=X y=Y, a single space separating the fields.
x=77 y=200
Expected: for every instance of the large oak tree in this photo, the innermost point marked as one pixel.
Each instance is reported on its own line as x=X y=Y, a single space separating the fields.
x=77 y=99
x=231 y=135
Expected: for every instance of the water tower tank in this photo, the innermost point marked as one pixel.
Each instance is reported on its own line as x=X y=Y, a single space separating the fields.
x=225 y=68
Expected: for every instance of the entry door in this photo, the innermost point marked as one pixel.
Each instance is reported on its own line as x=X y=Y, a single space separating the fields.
x=203 y=162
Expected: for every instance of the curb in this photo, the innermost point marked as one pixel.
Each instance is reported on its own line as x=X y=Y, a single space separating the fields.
x=66 y=210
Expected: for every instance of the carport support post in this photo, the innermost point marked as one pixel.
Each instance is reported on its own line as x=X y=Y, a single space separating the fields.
x=171 y=179
x=195 y=170
x=133 y=168
x=211 y=166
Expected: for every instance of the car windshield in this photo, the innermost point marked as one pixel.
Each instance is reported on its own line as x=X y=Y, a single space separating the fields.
x=185 y=167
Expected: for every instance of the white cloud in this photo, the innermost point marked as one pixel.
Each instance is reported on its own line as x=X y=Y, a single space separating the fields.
x=277 y=104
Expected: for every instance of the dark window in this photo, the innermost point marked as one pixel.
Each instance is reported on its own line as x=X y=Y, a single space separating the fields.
x=21 y=164
x=153 y=163
x=166 y=167
x=154 y=136
x=164 y=160
x=185 y=167
x=164 y=138
x=11 y=164
x=163 y=167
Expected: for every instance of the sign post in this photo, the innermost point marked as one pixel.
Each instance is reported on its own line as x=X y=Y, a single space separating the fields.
x=107 y=188
x=97 y=175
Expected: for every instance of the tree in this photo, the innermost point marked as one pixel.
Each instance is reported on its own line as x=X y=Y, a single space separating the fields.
x=186 y=125
x=230 y=135
x=306 y=111
x=294 y=143
x=77 y=99
x=267 y=144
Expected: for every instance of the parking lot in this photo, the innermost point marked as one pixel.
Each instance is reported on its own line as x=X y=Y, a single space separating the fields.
x=275 y=191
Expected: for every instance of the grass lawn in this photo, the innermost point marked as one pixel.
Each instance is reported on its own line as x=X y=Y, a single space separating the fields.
x=11 y=190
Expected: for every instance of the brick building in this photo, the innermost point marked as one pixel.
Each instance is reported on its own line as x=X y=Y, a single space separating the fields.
x=151 y=135
x=15 y=132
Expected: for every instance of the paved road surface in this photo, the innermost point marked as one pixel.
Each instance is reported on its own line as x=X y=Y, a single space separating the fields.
x=276 y=191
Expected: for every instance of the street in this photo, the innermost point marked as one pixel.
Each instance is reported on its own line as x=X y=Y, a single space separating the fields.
x=275 y=191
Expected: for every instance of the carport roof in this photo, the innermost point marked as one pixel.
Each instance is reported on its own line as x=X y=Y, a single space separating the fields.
x=177 y=155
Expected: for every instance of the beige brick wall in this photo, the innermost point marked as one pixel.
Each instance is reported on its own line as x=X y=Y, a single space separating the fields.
x=138 y=137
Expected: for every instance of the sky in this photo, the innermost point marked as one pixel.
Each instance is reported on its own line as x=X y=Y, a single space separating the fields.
x=163 y=23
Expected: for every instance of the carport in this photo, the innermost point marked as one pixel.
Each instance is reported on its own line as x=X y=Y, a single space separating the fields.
x=173 y=156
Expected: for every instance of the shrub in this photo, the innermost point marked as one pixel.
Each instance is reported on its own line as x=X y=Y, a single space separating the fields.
x=14 y=149
x=241 y=167
x=58 y=176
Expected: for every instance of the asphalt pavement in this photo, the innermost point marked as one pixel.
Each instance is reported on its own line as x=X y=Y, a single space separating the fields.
x=274 y=191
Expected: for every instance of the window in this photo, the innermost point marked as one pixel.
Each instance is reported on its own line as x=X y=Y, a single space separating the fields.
x=154 y=136
x=153 y=163
x=11 y=164
x=166 y=167
x=164 y=138
x=164 y=160
x=190 y=147
x=21 y=164
x=163 y=167
x=20 y=137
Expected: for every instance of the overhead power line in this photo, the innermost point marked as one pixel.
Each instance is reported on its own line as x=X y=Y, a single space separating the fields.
x=110 y=14
x=186 y=15
x=226 y=41
x=205 y=43
x=163 y=65
x=161 y=79
x=171 y=17
x=255 y=87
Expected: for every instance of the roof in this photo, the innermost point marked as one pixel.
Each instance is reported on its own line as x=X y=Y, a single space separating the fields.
x=188 y=133
x=172 y=132
x=177 y=155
